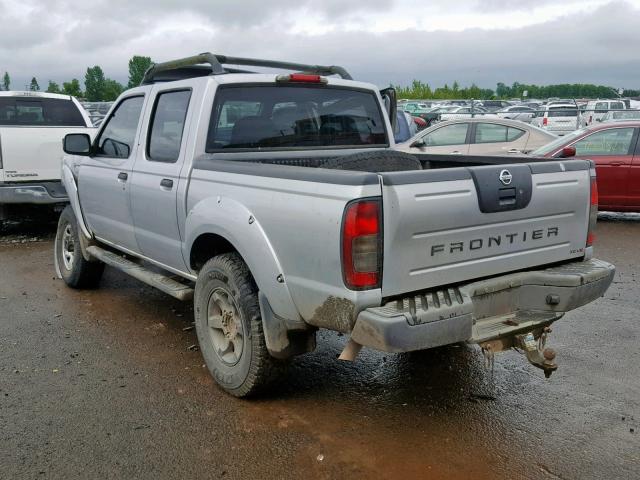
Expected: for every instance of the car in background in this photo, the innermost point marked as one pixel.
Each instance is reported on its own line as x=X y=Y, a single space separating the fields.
x=620 y=116
x=477 y=136
x=596 y=109
x=405 y=127
x=615 y=150
x=495 y=105
x=517 y=112
x=557 y=118
x=461 y=112
x=415 y=107
x=432 y=115
x=32 y=126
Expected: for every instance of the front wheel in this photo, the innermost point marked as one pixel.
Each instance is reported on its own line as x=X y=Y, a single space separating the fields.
x=75 y=270
x=229 y=327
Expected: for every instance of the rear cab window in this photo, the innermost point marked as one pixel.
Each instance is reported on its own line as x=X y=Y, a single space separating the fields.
x=39 y=112
x=167 y=125
x=272 y=117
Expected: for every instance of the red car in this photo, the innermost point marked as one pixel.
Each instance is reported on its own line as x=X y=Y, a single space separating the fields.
x=615 y=149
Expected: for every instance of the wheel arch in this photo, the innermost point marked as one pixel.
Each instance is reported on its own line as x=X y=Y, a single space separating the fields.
x=216 y=226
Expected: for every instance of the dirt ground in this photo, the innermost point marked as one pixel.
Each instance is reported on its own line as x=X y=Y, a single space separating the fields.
x=108 y=384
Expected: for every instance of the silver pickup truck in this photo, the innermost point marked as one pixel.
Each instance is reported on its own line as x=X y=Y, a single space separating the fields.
x=276 y=203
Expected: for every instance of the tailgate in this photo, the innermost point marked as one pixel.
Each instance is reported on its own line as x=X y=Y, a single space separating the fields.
x=452 y=225
x=33 y=153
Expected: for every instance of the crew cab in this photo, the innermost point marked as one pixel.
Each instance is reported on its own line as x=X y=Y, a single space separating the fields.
x=276 y=203
x=32 y=126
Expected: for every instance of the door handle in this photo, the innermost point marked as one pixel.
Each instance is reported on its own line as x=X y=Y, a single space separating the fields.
x=166 y=183
x=514 y=150
x=616 y=164
x=123 y=176
x=456 y=152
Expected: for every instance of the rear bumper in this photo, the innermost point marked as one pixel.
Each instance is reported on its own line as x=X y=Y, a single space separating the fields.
x=33 y=192
x=485 y=310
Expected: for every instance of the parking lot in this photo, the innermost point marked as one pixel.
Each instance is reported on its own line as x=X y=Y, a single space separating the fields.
x=109 y=384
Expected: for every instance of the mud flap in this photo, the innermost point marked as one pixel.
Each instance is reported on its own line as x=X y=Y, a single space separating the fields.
x=285 y=339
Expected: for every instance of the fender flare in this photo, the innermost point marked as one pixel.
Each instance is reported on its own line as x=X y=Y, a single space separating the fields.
x=69 y=182
x=234 y=222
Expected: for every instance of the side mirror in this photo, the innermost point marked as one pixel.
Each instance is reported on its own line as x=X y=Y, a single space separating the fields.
x=568 y=152
x=77 y=144
x=391 y=106
x=419 y=143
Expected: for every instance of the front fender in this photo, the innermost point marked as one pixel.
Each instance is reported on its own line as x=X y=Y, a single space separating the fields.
x=69 y=182
x=230 y=219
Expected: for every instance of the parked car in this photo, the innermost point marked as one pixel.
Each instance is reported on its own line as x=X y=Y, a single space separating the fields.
x=461 y=112
x=291 y=214
x=478 y=136
x=557 y=118
x=620 y=115
x=615 y=150
x=517 y=112
x=495 y=105
x=405 y=126
x=415 y=107
x=32 y=126
x=596 y=109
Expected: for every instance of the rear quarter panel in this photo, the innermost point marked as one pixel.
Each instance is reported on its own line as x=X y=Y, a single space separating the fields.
x=295 y=232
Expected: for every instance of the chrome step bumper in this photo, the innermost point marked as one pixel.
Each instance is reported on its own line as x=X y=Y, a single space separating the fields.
x=485 y=310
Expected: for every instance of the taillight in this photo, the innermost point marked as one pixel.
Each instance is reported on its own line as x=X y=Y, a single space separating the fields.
x=301 y=78
x=593 y=212
x=362 y=244
x=590 y=119
x=545 y=120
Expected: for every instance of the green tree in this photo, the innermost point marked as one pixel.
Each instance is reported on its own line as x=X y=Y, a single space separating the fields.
x=72 y=88
x=34 y=87
x=137 y=66
x=94 y=83
x=112 y=90
x=6 y=81
x=53 y=87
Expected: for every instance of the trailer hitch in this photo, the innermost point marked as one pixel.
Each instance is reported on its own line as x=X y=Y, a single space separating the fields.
x=535 y=351
x=526 y=343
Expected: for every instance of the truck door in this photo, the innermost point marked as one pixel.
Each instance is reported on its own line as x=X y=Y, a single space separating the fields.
x=105 y=177
x=156 y=178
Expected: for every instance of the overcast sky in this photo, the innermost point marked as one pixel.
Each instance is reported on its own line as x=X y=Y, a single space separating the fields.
x=381 y=41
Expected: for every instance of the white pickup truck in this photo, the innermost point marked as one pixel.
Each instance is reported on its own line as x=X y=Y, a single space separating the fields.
x=32 y=126
x=276 y=204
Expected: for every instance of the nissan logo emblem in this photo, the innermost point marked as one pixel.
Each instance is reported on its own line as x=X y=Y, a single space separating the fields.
x=505 y=177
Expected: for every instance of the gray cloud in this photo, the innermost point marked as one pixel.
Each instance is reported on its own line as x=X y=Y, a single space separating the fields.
x=599 y=47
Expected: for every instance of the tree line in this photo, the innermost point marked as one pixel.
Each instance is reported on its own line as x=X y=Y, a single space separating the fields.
x=420 y=90
x=97 y=87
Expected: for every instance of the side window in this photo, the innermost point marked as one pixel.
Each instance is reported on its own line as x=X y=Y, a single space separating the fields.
x=601 y=107
x=455 y=134
x=490 y=133
x=118 y=135
x=167 y=126
x=615 y=141
x=514 y=134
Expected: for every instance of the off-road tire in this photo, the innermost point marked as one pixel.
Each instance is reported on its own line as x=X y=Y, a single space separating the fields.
x=255 y=369
x=375 y=161
x=76 y=271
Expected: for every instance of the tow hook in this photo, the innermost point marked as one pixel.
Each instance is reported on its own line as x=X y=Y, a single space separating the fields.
x=537 y=355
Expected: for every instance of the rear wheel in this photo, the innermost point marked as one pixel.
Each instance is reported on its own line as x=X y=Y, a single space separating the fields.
x=75 y=270
x=229 y=327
